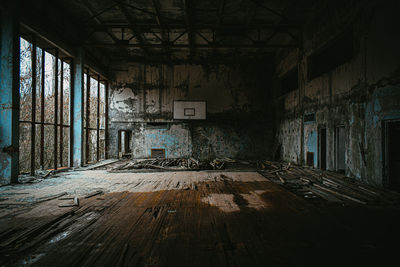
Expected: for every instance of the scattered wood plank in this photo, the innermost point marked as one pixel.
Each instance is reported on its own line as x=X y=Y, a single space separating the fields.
x=98 y=192
x=340 y=194
x=280 y=178
x=66 y=205
x=48 y=174
x=15 y=203
x=325 y=195
x=42 y=199
x=305 y=180
x=368 y=190
x=75 y=203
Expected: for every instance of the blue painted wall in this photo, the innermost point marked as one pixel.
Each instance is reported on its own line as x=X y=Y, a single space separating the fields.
x=77 y=110
x=9 y=93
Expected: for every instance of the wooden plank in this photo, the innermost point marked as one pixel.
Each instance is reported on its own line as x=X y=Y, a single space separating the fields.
x=340 y=194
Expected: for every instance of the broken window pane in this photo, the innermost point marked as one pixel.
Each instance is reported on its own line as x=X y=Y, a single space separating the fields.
x=24 y=147
x=48 y=147
x=25 y=81
x=84 y=158
x=49 y=84
x=92 y=145
x=59 y=93
x=102 y=144
x=66 y=96
x=102 y=106
x=37 y=146
x=65 y=142
x=93 y=103
x=39 y=84
x=84 y=99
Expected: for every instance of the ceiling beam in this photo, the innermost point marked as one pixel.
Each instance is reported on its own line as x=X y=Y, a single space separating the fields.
x=220 y=13
x=208 y=46
x=133 y=27
x=176 y=61
x=251 y=13
x=99 y=13
x=189 y=18
x=156 y=6
x=163 y=27
x=278 y=14
x=92 y=13
x=121 y=2
x=149 y=28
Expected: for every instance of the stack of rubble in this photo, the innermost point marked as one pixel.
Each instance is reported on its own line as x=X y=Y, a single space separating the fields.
x=160 y=163
x=331 y=186
x=175 y=164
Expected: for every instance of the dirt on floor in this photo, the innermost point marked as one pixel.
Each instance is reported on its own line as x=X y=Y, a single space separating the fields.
x=206 y=218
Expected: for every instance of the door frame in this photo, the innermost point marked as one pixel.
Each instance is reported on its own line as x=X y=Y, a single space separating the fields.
x=337 y=127
x=320 y=128
x=385 y=151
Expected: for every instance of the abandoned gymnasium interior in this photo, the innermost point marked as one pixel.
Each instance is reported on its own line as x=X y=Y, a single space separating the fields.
x=199 y=132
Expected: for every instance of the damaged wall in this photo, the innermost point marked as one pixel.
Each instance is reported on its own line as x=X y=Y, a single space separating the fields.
x=239 y=120
x=359 y=95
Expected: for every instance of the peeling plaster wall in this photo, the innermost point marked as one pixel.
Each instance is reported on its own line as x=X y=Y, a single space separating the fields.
x=174 y=138
x=359 y=95
x=239 y=120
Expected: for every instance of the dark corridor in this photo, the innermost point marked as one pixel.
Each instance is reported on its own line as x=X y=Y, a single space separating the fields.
x=393 y=160
x=322 y=135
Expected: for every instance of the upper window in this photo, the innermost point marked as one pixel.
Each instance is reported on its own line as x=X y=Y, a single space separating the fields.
x=289 y=82
x=334 y=54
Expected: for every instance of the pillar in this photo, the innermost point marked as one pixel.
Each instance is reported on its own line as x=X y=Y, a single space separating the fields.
x=77 y=110
x=9 y=92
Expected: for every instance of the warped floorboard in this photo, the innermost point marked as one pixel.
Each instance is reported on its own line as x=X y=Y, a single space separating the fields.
x=213 y=222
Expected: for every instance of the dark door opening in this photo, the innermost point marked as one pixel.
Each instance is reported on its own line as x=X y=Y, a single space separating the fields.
x=393 y=155
x=310 y=159
x=340 y=149
x=158 y=153
x=124 y=140
x=322 y=138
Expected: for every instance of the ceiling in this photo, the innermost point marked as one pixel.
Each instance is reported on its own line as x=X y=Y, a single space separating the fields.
x=114 y=32
x=149 y=30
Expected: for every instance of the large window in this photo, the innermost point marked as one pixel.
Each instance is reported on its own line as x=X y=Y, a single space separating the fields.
x=336 y=53
x=289 y=82
x=45 y=89
x=94 y=117
x=44 y=108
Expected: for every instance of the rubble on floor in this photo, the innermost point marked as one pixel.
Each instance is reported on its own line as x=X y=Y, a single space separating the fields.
x=312 y=184
x=212 y=218
x=178 y=164
x=91 y=183
x=330 y=186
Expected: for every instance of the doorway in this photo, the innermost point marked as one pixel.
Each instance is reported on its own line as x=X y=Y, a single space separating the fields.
x=124 y=140
x=322 y=148
x=392 y=159
x=340 y=148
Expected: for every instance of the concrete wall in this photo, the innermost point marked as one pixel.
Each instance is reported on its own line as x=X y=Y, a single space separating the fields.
x=359 y=95
x=239 y=120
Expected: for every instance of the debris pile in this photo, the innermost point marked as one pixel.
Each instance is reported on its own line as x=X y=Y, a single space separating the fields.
x=175 y=164
x=189 y=163
x=330 y=186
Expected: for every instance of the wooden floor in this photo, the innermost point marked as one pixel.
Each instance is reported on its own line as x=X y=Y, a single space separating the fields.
x=224 y=222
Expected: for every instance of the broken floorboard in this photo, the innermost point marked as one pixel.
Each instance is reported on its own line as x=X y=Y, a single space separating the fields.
x=230 y=220
x=329 y=186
